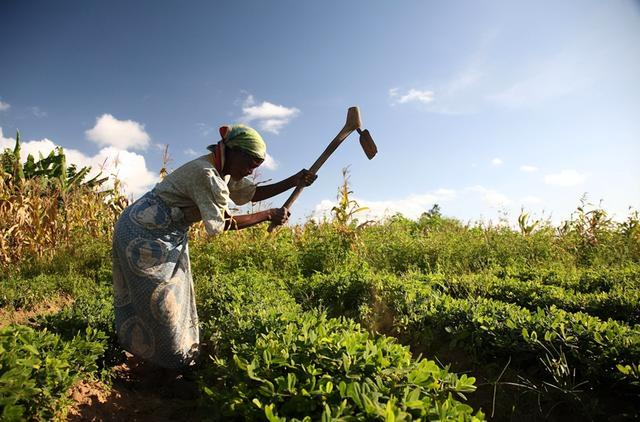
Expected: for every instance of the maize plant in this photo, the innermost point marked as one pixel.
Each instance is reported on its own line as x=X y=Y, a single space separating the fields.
x=42 y=204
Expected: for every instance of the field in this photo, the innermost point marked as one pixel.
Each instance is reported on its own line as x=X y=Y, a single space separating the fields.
x=433 y=319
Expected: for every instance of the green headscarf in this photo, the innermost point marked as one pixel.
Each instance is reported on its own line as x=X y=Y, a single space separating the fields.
x=246 y=139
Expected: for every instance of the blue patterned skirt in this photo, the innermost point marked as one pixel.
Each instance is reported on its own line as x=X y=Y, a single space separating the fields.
x=155 y=308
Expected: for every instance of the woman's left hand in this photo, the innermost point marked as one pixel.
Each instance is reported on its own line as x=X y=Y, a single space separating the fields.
x=304 y=178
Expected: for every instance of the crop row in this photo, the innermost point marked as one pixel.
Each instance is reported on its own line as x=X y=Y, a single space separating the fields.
x=594 y=347
x=620 y=302
x=421 y=313
x=584 y=280
x=270 y=359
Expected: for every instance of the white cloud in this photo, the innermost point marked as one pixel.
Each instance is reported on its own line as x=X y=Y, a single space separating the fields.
x=528 y=169
x=270 y=117
x=491 y=197
x=565 y=178
x=411 y=207
x=530 y=199
x=273 y=125
x=122 y=134
x=496 y=161
x=191 y=152
x=129 y=167
x=4 y=106
x=270 y=163
x=43 y=146
x=413 y=95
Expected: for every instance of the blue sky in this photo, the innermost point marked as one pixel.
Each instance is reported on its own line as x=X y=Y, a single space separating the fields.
x=482 y=107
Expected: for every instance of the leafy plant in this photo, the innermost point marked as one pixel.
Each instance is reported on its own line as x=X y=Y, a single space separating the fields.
x=312 y=367
x=37 y=368
x=346 y=208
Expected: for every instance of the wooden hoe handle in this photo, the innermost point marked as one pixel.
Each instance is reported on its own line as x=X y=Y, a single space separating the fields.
x=353 y=123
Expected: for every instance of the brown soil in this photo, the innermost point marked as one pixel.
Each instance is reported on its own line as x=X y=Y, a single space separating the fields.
x=136 y=394
x=24 y=316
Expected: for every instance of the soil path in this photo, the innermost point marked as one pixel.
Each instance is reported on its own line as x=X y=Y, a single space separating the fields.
x=25 y=316
x=133 y=396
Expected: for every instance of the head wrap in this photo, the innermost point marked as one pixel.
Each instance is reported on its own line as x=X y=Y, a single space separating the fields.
x=244 y=138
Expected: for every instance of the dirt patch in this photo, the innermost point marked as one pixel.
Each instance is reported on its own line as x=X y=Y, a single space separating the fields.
x=25 y=316
x=135 y=395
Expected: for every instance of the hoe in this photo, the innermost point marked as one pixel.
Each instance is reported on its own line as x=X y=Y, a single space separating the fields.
x=366 y=141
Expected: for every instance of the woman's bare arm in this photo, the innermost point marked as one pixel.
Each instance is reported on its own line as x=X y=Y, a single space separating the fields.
x=278 y=216
x=304 y=177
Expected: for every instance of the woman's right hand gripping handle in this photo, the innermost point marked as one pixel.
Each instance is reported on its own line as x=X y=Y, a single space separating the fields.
x=279 y=216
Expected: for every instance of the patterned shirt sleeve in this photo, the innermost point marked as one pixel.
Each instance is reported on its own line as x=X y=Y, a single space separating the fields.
x=241 y=191
x=211 y=196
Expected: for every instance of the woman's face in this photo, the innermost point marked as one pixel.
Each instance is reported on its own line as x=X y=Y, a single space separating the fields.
x=239 y=164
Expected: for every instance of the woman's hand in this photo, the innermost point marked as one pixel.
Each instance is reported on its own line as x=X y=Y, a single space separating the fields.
x=304 y=178
x=279 y=216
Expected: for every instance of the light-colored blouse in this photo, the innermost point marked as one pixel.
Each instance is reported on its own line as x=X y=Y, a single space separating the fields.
x=198 y=184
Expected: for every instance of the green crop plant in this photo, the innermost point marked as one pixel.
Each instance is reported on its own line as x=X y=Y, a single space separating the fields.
x=311 y=367
x=561 y=308
x=50 y=170
x=37 y=368
x=523 y=223
x=346 y=207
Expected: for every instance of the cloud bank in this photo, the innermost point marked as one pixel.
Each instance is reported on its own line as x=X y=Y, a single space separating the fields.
x=121 y=134
x=528 y=168
x=129 y=167
x=565 y=178
x=412 y=206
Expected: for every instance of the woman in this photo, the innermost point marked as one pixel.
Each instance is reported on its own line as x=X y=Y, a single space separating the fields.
x=155 y=308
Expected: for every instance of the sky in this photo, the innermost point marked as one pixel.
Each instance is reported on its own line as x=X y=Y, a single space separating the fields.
x=483 y=107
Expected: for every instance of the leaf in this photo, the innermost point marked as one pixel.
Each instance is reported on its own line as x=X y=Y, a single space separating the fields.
x=268 y=412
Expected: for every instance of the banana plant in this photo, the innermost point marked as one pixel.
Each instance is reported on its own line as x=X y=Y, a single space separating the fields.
x=50 y=169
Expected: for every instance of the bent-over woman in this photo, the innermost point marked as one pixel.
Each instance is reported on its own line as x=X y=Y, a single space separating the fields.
x=155 y=308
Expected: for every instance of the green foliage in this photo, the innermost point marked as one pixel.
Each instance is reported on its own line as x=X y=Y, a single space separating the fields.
x=251 y=248
x=237 y=307
x=311 y=367
x=619 y=301
x=323 y=247
x=85 y=256
x=347 y=291
x=526 y=228
x=41 y=288
x=51 y=170
x=37 y=369
x=254 y=329
x=279 y=312
x=93 y=309
x=483 y=326
x=343 y=213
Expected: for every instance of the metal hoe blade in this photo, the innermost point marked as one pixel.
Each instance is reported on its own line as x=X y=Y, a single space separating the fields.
x=368 y=146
